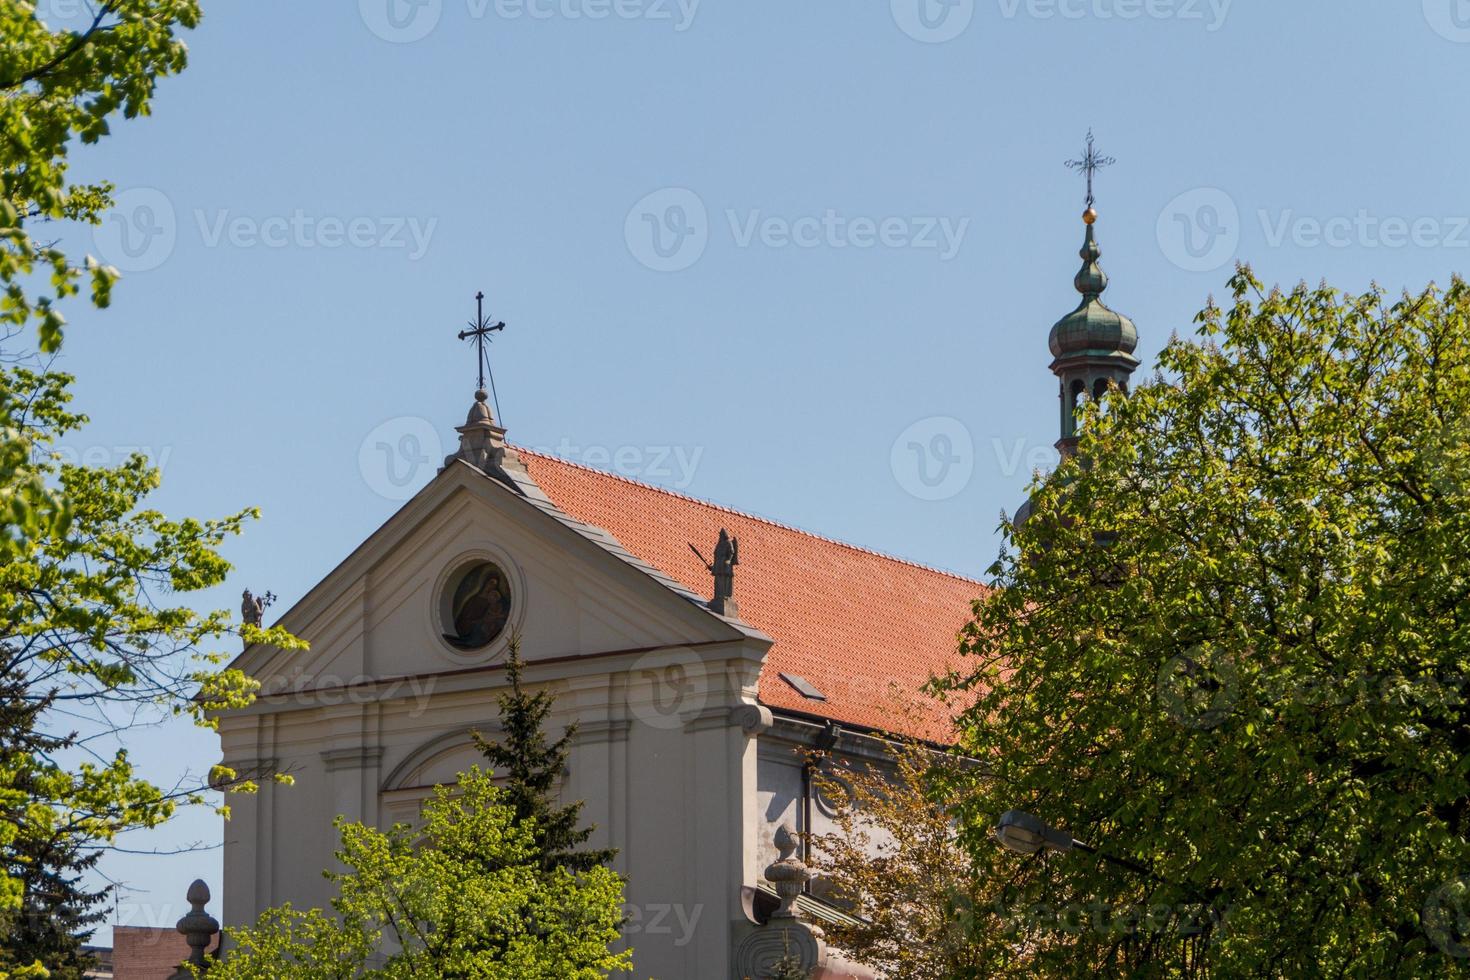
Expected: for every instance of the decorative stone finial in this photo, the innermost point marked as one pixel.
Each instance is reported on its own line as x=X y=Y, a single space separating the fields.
x=198 y=926
x=482 y=443
x=788 y=874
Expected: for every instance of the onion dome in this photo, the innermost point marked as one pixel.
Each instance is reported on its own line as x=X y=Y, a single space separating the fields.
x=1092 y=330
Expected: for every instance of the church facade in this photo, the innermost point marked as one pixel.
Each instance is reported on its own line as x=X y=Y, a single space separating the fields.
x=697 y=687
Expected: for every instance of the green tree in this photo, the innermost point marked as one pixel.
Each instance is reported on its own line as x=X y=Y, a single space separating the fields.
x=894 y=862
x=87 y=570
x=1231 y=645
x=58 y=87
x=462 y=897
x=89 y=641
x=57 y=909
x=532 y=770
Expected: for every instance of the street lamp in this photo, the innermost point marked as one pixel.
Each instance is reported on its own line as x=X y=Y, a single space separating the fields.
x=1026 y=833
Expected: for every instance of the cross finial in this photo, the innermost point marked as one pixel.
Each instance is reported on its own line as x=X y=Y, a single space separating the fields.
x=1090 y=164
x=481 y=329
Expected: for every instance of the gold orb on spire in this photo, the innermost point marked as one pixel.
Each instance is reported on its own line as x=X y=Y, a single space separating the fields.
x=1089 y=216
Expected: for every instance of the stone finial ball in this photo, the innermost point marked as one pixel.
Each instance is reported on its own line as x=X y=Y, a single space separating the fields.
x=198 y=893
x=1089 y=216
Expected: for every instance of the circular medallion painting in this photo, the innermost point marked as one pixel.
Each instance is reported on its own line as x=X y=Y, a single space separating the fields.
x=478 y=606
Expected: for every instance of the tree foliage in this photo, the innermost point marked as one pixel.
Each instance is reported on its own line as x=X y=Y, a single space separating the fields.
x=470 y=901
x=895 y=863
x=90 y=643
x=1232 y=644
x=57 y=907
x=533 y=769
x=59 y=87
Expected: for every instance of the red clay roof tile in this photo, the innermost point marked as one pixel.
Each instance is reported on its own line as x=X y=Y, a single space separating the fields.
x=863 y=628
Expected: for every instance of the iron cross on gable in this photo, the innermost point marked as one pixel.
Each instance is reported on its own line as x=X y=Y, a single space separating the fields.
x=481 y=329
x=1090 y=164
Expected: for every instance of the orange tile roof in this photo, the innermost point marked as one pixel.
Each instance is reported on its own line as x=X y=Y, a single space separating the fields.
x=865 y=629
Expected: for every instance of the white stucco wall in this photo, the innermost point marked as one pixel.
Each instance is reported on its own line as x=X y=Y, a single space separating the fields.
x=378 y=709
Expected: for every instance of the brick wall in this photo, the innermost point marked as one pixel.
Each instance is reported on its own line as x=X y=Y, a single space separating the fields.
x=146 y=953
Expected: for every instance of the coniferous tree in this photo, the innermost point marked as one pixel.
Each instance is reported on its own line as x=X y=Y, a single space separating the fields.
x=532 y=768
x=56 y=913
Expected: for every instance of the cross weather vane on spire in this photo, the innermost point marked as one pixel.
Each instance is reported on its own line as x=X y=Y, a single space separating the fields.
x=481 y=329
x=1090 y=164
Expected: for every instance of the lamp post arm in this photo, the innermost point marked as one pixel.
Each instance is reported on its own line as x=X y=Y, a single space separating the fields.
x=1120 y=862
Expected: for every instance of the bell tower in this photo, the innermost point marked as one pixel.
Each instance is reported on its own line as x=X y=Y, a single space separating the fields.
x=1092 y=345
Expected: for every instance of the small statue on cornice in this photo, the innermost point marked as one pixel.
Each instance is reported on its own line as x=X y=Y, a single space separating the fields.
x=727 y=556
x=252 y=607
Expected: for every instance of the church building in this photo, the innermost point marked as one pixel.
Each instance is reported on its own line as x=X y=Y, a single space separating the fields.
x=697 y=686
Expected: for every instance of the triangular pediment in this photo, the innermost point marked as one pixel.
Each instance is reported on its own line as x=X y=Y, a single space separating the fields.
x=393 y=608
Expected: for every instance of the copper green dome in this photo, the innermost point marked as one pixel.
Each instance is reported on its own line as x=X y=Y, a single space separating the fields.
x=1092 y=330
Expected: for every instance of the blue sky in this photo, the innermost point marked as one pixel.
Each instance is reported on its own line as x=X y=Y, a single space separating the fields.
x=798 y=258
